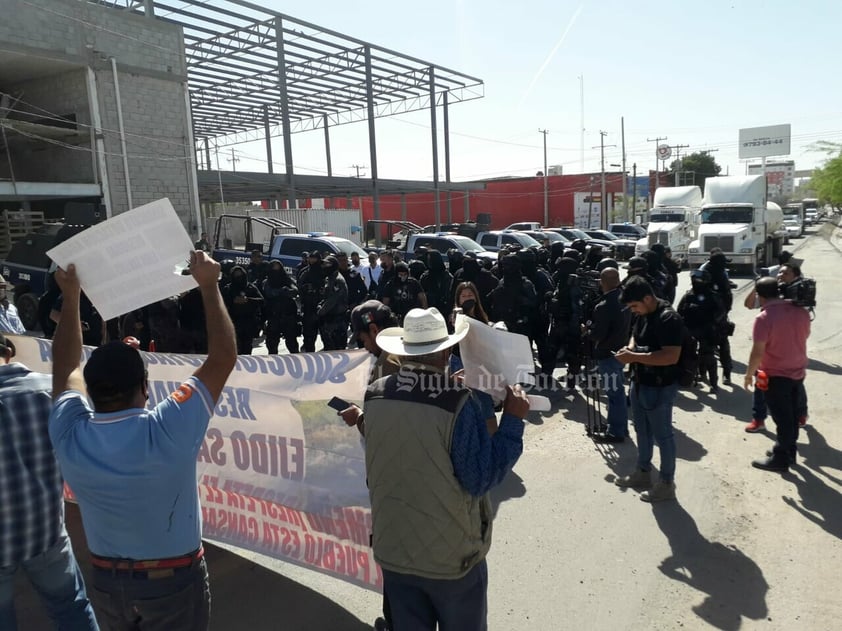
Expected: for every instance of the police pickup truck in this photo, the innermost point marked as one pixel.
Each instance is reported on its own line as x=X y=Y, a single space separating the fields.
x=275 y=239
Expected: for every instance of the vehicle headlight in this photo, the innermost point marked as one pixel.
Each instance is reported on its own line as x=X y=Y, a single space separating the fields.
x=746 y=250
x=694 y=250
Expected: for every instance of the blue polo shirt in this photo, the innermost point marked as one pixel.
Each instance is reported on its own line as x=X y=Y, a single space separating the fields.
x=134 y=471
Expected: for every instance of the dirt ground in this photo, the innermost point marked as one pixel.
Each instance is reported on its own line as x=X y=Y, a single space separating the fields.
x=740 y=549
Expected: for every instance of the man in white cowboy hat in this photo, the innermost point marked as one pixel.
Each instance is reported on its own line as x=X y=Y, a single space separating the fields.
x=430 y=463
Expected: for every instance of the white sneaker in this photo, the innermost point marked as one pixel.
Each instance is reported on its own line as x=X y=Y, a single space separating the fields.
x=660 y=492
x=637 y=480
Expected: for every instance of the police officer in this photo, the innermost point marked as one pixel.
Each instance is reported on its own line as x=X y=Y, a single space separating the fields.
x=333 y=310
x=257 y=269
x=243 y=301
x=436 y=283
x=280 y=309
x=702 y=311
x=403 y=293
x=565 y=311
x=514 y=301
x=387 y=272
x=310 y=287
x=717 y=266
x=357 y=292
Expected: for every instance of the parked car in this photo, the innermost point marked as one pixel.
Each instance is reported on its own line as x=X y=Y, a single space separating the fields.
x=524 y=225
x=494 y=240
x=623 y=248
x=627 y=230
x=576 y=233
x=794 y=227
x=543 y=235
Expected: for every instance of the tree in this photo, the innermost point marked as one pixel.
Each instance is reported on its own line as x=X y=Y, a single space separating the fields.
x=700 y=164
x=827 y=181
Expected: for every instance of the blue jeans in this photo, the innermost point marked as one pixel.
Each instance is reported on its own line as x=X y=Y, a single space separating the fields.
x=652 y=412
x=179 y=601
x=56 y=577
x=418 y=604
x=611 y=382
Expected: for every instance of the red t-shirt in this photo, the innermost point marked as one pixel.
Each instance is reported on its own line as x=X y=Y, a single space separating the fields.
x=784 y=328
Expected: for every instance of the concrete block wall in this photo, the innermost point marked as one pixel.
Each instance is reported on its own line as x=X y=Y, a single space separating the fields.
x=57 y=95
x=152 y=75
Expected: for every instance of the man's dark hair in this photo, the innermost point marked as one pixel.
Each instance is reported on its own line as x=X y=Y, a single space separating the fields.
x=113 y=374
x=635 y=290
x=795 y=269
x=766 y=287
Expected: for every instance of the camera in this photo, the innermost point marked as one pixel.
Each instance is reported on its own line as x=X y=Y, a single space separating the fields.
x=801 y=292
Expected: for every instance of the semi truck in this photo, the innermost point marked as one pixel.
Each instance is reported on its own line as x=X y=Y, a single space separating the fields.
x=736 y=218
x=673 y=220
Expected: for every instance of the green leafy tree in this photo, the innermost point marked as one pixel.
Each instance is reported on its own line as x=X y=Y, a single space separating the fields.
x=695 y=168
x=827 y=181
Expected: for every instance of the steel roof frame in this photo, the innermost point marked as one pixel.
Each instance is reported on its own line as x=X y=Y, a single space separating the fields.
x=233 y=48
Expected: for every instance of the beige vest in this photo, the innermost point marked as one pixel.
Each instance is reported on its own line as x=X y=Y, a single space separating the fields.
x=424 y=522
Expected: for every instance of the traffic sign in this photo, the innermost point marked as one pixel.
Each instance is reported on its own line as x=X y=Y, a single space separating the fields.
x=664 y=152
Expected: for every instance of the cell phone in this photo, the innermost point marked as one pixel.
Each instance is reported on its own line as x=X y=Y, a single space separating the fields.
x=338 y=404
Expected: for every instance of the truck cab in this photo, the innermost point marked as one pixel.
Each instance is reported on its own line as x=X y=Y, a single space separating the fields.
x=736 y=218
x=673 y=221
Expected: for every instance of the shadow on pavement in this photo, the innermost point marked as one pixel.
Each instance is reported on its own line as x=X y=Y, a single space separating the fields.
x=819 y=503
x=244 y=595
x=512 y=486
x=733 y=583
x=831 y=369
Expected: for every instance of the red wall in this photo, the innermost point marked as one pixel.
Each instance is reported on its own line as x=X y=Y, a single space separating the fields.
x=508 y=201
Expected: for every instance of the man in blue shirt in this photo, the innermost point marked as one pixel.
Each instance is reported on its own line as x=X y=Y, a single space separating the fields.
x=133 y=470
x=32 y=532
x=10 y=321
x=430 y=463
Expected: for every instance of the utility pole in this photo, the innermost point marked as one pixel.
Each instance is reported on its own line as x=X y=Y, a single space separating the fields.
x=678 y=149
x=625 y=178
x=657 y=142
x=544 y=132
x=358 y=167
x=634 y=190
x=603 y=215
x=582 y=123
x=233 y=160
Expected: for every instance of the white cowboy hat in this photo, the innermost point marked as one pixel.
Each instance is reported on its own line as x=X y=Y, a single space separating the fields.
x=424 y=331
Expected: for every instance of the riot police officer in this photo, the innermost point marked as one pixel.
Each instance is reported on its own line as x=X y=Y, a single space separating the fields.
x=310 y=287
x=403 y=293
x=243 y=301
x=703 y=311
x=333 y=310
x=565 y=311
x=280 y=309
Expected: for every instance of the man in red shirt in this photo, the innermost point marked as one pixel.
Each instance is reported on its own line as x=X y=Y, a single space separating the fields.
x=780 y=337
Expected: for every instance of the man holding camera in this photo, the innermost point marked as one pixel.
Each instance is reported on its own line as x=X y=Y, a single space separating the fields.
x=780 y=337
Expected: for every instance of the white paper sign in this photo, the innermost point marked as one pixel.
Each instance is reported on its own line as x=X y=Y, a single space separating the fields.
x=130 y=260
x=494 y=359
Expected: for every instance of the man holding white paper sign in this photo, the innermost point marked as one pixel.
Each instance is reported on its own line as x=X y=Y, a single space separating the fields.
x=430 y=463
x=133 y=470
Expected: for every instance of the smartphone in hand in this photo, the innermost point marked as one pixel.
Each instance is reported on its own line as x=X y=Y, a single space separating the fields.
x=338 y=404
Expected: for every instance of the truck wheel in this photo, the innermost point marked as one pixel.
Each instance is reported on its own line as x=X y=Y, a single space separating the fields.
x=27 y=305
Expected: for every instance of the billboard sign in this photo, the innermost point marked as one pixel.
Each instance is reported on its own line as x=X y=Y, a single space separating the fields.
x=762 y=142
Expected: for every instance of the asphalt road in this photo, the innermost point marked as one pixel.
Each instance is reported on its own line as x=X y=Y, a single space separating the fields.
x=740 y=549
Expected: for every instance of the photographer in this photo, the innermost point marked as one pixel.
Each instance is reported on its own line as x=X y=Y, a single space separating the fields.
x=780 y=337
x=787 y=274
x=608 y=329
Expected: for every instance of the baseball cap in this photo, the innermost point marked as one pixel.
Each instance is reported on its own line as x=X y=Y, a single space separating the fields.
x=6 y=343
x=113 y=370
x=372 y=312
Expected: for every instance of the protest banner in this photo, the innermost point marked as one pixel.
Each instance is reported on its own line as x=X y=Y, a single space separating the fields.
x=279 y=472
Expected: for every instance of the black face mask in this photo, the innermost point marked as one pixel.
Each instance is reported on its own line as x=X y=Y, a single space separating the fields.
x=239 y=280
x=469 y=305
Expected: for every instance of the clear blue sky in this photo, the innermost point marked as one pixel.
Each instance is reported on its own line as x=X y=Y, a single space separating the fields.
x=693 y=72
